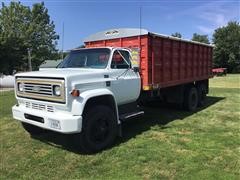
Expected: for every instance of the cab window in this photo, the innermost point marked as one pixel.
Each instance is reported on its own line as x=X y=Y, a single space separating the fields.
x=87 y=58
x=121 y=60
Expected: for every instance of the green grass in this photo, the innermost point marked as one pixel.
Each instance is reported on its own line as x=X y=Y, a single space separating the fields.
x=166 y=143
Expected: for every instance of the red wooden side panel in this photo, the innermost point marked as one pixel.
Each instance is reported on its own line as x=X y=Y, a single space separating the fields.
x=157 y=56
x=183 y=57
x=177 y=62
x=190 y=58
x=210 y=58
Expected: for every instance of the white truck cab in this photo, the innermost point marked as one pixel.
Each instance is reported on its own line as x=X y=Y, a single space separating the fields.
x=86 y=94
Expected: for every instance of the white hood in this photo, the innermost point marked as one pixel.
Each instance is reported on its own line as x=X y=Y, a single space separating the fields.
x=61 y=72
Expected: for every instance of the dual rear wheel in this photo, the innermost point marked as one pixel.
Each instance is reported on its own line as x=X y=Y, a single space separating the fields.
x=195 y=96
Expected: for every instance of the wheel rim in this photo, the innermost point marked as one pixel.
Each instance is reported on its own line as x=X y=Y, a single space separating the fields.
x=100 y=130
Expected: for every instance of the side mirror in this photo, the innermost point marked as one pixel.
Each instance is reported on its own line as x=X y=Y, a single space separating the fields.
x=136 y=69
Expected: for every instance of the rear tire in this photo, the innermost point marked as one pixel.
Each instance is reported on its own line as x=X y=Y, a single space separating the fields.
x=99 y=129
x=32 y=130
x=202 y=93
x=191 y=99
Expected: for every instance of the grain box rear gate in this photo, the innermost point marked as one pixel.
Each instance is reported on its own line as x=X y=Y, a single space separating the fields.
x=164 y=61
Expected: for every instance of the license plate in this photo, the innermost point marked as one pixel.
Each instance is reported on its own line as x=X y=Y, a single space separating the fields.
x=54 y=124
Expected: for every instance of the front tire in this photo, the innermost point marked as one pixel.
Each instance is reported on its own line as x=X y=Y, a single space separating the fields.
x=32 y=130
x=99 y=129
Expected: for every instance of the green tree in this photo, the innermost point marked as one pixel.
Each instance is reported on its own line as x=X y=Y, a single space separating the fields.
x=13 y=22
x=200 y=38
x=22 y=28
x=227 y=47
x=59 y=55
x=43 y=37
x=177 y=34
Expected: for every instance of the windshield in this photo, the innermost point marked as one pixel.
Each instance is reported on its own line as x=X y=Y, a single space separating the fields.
x=87 y=58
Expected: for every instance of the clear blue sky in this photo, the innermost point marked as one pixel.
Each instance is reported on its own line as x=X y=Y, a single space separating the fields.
x=82 y=18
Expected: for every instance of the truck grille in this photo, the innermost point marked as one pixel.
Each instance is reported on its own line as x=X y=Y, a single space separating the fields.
x=40 y=89
x=41 y=107
x=45 y=89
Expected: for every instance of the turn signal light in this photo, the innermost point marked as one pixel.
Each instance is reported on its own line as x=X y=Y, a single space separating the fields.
x=75 y=93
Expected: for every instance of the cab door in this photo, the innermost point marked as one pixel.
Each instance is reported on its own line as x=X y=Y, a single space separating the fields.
x=126 y=83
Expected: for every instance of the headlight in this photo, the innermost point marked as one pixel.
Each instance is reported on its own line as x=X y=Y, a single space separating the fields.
x=57 y=90
x=20 y=87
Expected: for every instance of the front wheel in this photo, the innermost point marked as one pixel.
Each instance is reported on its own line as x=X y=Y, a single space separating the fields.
x=32 y=130
x=99 y=129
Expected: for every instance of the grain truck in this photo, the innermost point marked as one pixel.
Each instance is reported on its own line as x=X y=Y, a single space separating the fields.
x=98 y=87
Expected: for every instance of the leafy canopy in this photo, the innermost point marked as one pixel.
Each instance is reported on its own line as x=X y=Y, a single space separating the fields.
x=177 y=34
x=200 y=38
x=22 y=28
x=227 y=47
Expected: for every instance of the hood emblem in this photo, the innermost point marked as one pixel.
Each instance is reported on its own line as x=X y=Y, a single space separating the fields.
x=36 y=88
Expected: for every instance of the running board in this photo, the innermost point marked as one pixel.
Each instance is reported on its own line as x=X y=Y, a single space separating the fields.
x=127 y=116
